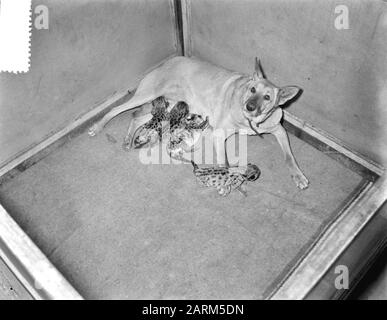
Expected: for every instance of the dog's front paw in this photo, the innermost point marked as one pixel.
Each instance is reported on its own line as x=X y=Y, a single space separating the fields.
x=300 y=180
x=93 y=130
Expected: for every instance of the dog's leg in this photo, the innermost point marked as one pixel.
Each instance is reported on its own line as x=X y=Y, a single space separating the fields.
x=136 y=101
x=146 y=92
x=139 y=117
x=296 y=174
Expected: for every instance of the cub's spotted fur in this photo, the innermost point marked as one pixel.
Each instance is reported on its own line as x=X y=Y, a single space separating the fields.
x=185 y=130
x=152 y=131
x=178 y=127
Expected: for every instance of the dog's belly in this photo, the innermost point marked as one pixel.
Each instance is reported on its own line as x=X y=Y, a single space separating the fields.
x=211 y=103
x=193 y=79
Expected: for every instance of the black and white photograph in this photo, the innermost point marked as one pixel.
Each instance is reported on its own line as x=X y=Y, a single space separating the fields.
x=187 y=151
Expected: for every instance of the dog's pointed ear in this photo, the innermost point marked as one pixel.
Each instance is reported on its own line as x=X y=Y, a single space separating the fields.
x=287 y=93
x=258 y=69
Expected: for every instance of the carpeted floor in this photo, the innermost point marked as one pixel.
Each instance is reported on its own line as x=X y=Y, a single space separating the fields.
x=117 y=228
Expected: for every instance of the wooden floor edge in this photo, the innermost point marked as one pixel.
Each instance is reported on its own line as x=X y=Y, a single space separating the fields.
x=300 y=281
x=304 y=252
x=334 y=143
x=32 y=268
x=36 y=273
x=26 y=156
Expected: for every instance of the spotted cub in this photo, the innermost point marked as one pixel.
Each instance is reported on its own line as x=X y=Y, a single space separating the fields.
x=151 y=132
x=185 y=131
x=226 y=179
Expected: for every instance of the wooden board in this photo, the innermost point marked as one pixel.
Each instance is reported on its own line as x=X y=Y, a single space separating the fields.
x=30 y=265
x=22 y=256
x=332 y=243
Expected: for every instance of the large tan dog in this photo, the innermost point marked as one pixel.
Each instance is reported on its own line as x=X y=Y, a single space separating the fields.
x=231 y=100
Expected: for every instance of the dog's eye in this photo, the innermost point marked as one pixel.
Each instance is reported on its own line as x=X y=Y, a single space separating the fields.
x=252 y=90
x=266 y=97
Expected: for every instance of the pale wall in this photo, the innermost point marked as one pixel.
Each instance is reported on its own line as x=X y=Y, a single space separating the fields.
x=343 y=72
x=91 y=49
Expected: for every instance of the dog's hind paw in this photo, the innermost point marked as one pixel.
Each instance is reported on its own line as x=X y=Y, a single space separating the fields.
x=300 y=180
x=93 y=130
x=126 y=146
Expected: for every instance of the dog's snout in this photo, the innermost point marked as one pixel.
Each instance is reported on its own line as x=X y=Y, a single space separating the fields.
x=250 y=106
